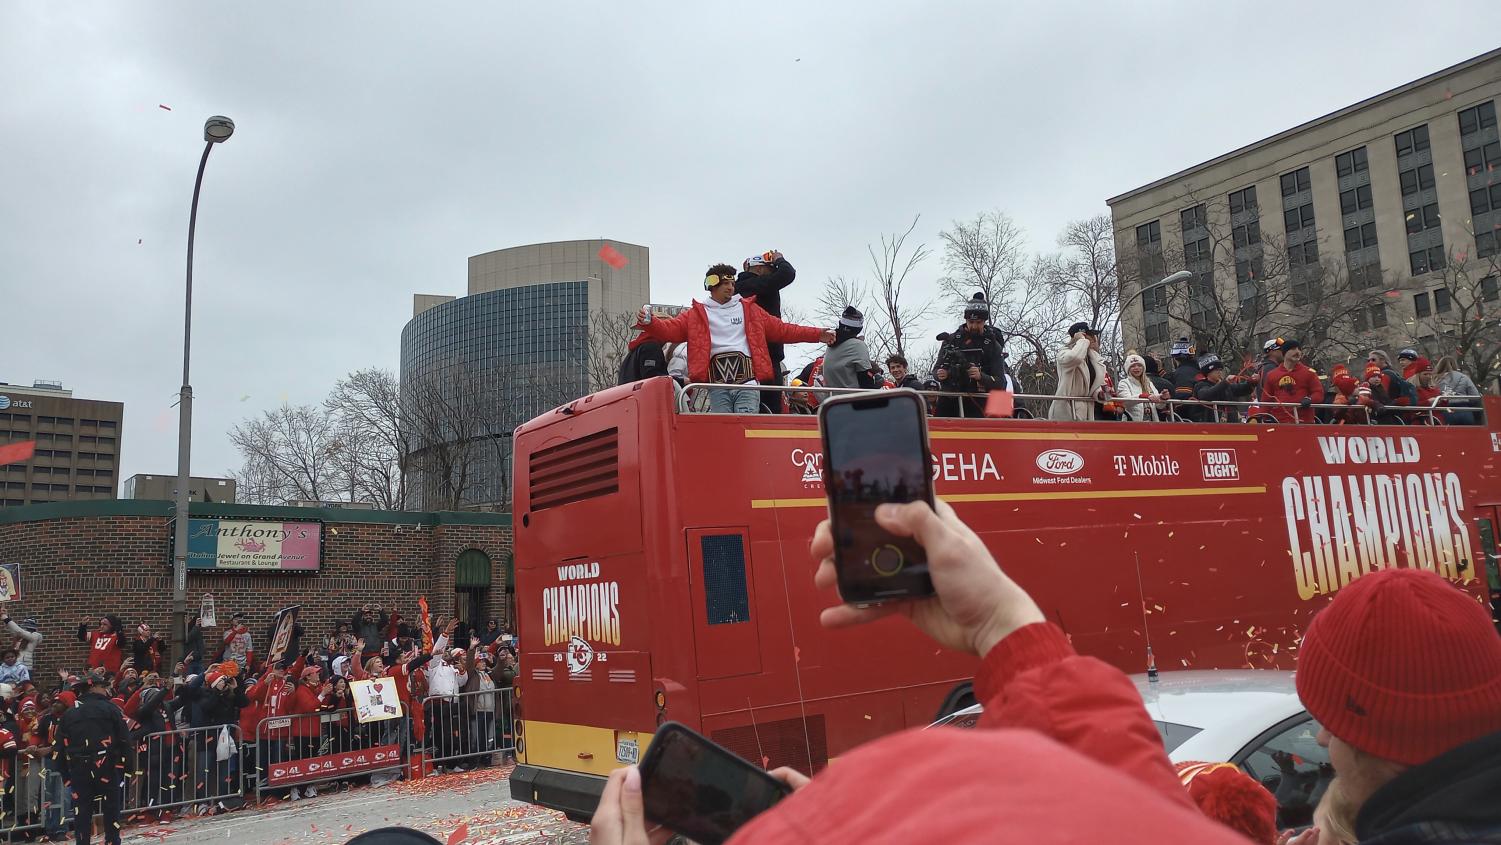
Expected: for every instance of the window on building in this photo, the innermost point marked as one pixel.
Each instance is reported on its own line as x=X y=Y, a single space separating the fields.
x=1486 y=199
x=1477 y=118
x=1490 y=291
x=1247 y=234
x=1193 y=218
x=1295 y=182
x=1377 y=317
x=1157 y=333
x=1243 y=200
x=1355 y=199
x=1364 y=276
x=1486 y=244
x=1351 y=162
x=1482 y=158
x=1422 y=260
x=1412 y=141
x=1298 y=218
x=1303 y=254
x=109 y=424
x=1248 y=269
x=1417 y=179
x=1149 y=233
x=1196 y=253
x=1442 y=303
x=1421 y=219
x=1422 y=305
x=1361 y=236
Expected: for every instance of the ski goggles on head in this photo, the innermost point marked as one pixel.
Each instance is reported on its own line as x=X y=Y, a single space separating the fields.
x=711 y=280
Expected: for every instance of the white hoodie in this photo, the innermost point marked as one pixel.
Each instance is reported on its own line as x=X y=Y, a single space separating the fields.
x=726 y=326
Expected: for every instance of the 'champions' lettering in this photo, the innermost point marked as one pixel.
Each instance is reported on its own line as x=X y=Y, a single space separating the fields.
x=590 y=611
x=1342 y=527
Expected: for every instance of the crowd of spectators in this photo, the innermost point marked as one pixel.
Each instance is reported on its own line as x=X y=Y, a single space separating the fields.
x=201 y=730
x=735 y=337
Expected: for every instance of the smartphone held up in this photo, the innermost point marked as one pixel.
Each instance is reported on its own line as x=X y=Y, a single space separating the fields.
x=699 y=789
x=875 y=448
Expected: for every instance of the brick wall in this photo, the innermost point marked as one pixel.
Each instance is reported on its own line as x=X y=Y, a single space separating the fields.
x=80 y=560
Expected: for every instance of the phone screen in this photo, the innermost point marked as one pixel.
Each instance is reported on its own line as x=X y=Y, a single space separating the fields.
x=701 y=790
x=875 y=452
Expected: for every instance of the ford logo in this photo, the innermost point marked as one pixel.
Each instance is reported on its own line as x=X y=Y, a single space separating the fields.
x=1060 y=462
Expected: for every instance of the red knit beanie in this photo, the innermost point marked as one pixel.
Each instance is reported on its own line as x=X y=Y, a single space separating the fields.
x=1231 y=797
x=1402 y=665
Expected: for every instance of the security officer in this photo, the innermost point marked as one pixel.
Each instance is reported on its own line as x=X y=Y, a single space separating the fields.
x=95 y=751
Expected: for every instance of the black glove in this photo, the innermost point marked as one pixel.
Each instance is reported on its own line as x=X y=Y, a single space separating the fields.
x=1306 y=402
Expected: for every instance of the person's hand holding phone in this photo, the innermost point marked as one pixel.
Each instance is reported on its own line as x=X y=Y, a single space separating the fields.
x=620 y=818
x=977 y=605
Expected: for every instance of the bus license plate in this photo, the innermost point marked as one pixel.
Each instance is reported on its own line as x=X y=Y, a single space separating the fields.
x=626 y=751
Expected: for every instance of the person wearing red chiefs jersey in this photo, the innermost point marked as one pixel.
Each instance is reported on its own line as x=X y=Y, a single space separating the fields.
x=105 y=649
x=1292 y=383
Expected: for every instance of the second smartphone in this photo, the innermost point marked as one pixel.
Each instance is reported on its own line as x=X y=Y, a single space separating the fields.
x=875 y=451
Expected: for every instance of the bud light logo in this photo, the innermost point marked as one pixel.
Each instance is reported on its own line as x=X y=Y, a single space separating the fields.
x=1060 y=462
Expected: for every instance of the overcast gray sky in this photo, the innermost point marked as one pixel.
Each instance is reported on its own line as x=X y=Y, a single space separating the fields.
x=380 y=144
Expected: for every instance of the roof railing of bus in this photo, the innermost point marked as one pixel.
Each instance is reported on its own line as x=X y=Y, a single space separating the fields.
x=1425 y=415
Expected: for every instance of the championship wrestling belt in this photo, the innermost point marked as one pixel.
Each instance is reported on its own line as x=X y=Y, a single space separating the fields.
x=730 y=368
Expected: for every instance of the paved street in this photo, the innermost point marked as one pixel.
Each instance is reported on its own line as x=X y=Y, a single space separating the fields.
x=478 y=801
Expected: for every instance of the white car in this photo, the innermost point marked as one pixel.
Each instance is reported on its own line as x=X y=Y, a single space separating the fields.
x=1250 y=718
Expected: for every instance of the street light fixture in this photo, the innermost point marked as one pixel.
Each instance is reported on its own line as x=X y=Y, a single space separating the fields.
x=1173 y=279
x=216 y=130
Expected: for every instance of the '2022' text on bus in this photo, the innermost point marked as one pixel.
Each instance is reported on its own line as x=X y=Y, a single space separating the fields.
x=662 y=567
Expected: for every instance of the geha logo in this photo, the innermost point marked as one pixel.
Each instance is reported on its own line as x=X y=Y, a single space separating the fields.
x=1060 y=462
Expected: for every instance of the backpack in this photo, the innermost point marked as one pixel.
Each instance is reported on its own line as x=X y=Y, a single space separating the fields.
x=645 y=361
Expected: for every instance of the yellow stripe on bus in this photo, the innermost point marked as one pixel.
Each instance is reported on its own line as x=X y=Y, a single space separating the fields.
x=819 y=502
x=576 y=748
x=804 y=434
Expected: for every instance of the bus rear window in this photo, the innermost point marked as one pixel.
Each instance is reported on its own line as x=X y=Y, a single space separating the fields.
x=725 y=596
x=1174 y=735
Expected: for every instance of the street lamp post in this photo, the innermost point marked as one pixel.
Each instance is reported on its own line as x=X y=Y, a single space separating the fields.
x=1173 y=279
x=216 y=130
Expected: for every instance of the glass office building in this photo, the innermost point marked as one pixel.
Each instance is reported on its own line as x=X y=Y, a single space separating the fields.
x=475 y=367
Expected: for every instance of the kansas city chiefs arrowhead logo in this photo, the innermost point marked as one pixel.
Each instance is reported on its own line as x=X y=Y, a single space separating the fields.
x=580 y=655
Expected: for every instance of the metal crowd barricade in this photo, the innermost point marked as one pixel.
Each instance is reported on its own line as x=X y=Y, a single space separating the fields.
x=183 y=768
x=469 y=728
x=176 y=768
x=689 y=400
x=291 y=752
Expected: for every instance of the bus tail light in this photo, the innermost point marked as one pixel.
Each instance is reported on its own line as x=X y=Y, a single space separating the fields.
x=661 y=699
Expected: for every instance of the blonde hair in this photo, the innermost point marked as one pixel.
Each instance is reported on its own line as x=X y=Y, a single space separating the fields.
x=1335 y=816
x=1445 y=365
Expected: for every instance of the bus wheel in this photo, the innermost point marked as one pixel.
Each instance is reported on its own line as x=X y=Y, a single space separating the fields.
x=960 y=697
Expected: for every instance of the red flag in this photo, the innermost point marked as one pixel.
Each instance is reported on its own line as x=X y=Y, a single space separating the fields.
x=427 y=625
x=611 y=256
x=17 y=452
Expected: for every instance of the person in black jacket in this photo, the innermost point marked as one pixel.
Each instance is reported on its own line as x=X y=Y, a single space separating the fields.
x=1185 y=377
x=764 y=276
x=1217 y=386
x=901 y=375
x=152 y=742
x=96 y=753
x=972 y=359
x=193 y=648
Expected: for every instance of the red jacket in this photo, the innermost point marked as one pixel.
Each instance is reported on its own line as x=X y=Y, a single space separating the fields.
x=693 y=327
x=1284 y=385
x=1064 y=753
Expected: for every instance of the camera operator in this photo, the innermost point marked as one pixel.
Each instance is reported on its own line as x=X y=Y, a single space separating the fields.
x=971 y=360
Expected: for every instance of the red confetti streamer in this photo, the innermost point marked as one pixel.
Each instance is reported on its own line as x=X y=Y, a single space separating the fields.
x=611 y=256
x=17 y=452
x=459 y=835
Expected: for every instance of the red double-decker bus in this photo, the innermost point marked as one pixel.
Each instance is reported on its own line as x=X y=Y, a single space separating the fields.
x=662 y=567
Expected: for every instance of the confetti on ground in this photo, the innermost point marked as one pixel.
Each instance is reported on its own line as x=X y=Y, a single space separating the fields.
x=459 y=834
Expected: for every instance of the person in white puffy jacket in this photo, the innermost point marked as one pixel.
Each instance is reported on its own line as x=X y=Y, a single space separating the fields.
x=1136 y=384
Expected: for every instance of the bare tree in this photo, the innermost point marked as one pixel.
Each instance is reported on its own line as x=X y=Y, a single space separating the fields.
x=610 y=334
x=901 y=316
x=289 y=453
x=366 y=408
x=987 y=254
x=1464 y=315
x=837 y=294
x=444 y=417
x=1084 y=272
